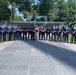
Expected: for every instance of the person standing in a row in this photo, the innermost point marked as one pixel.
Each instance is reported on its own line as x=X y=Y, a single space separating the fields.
x=14 y=29
x=43 y=31
x=9 y=32
x=59 y=31
x=40 y=27
x=48 y=31
x=74 y=34
x=1 y=33
x=24 y=31
x=32 y=33
x=53 y=29
x=37 y=32
x=66 y=31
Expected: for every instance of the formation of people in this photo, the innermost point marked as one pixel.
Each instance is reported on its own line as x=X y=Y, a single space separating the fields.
x=58 y=33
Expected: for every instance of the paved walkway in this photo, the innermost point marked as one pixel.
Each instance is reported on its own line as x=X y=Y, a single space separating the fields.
x=5 y=44
x=37 y=58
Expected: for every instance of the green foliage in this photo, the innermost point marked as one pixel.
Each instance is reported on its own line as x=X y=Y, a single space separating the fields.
x=4 y=11
x=72 y=23
x=25 y=6
x=55 y=10
x=62 y=10
x=44 y=7
x=26 y=13
x=52 y=14
x=17 y=18
x=72 y=10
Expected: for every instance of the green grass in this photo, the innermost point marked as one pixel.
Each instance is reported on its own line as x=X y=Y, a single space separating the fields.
x=0 y=42
x=70 y=37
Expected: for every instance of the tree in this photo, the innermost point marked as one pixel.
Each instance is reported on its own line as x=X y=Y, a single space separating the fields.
x=72 y=10
x=24 y=6
x=62 y=10
x=44 y=7
x=17 y=18
x=5 y=12
x=52 y=14
x=47 y=8
x=55 y=10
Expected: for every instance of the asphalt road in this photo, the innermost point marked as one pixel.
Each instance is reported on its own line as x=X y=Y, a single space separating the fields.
x=37 y=58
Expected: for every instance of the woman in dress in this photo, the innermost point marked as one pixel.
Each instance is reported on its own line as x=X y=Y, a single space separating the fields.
x=37 y=32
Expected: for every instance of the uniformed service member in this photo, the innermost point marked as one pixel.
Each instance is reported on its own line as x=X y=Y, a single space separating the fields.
x=43 y=31
x=53 y=33
x=28 y=33
x=9 y=32
x=56 y=32
x=74 y=34
x=14 y=29
x=24 y=32
x=19 y=33
x=59 y=29
x=32 y=33
x=4 y=32
x=65 y=33
x=48 y=33
x=1 y=34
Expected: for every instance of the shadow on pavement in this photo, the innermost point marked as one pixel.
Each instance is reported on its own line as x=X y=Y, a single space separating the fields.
x=61 y=53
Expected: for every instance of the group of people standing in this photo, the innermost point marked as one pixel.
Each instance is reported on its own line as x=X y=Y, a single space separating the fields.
x=14 y=32
x=58 y=33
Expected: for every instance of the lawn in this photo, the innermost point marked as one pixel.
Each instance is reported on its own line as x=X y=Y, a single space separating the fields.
x=70 y=37
x=0 y=42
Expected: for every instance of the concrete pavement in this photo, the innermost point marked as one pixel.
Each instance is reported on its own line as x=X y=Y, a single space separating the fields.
x=5 y=44
x=37 y=58
x=71 y=45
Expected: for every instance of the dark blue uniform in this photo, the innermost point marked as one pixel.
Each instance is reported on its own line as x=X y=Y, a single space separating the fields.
x=24 y=31
x=43 y=31
x=5 y=32
x=74 y=34
x=32 y=33
x=1 y=34
x=57 y=33
x=28 y=33
x=48 y=33
x=59 y=30
x=14 y=29
x=19 y=33
x=10 y=32
x=54 y=32
x=65 y=33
